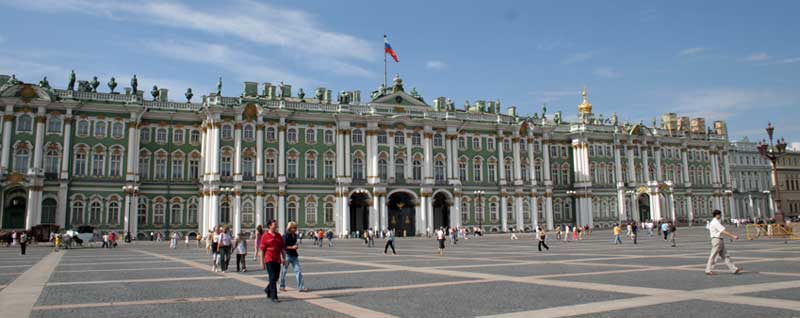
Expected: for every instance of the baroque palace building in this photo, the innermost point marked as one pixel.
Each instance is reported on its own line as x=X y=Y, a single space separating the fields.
x=121 y=162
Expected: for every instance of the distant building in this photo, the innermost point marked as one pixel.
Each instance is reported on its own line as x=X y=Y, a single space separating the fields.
x=123 y=162
x=752 y=181
x=789 y=183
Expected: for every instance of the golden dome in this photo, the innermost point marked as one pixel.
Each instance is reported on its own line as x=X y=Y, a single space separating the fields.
x=586 y=106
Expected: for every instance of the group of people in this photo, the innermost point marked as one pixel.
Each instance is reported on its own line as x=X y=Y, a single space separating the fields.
x=576 y=233
x=220 y=243
x=668 y=231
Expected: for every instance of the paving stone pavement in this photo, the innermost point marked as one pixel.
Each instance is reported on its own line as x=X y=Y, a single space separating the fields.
x=490 y=276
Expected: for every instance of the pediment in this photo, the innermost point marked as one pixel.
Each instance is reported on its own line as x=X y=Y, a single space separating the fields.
x=400 y=98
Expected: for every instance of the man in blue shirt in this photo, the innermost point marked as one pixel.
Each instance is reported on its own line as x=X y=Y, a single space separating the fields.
x=665 y=230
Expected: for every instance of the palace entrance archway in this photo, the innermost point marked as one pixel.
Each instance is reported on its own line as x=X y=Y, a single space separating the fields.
x=359 y=212
x=402 y=214
x=14 y=209
x=644 y=207
x=441 y=210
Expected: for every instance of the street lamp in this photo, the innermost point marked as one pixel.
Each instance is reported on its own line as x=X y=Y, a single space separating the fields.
x=772 y=151
x=630 y=194
x=480 y=194
x=227 y=192
x=132 y=190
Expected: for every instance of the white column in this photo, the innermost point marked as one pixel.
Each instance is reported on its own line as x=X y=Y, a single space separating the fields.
x=518 y=207
x=134 y=215
x=455 y=215
x=501 y=164
x=531 y=165
x=448 y=149
x=503 y=212
x=282 y=152
x=429 y=211
x=422 y=214
x=631 y=165
x=259 y=153
x=657 y=154
x=237 y=154
x=259 y=208
x=517 y=162
x=533 y=201
x=237 y=212
x=690 y=208
x=409 y=158
x=347 y=154
x=646 y=164
x=282 y=211
x=65 y=153
x=8 y=119
x=133 y=134
x=339 y=158
x=548 y=205
x=38 y=148
x=384 y=224
x=390 y=163
x=455 y=160
x=428 y=164
x=374 y=212
x=685 y=160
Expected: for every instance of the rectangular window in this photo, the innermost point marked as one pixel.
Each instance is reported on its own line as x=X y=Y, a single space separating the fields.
x=161 y=168
x=311 y=168
x=399 y=138
x=291 y=168
x=492 y=172
x=311 y=136
x=476 y=143
x=98 y=163
x=161 y=135
x=269 y=168
x=177 y=169
x=177 y=136
x=225 y=166
x=115 y=165
x=144 y=168
x=476 y=173
x=382 y=138
x=328 y=168
x=144 y=135
x=194 y=169
x=462 y=171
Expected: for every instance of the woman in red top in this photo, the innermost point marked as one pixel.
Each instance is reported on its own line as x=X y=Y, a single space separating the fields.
x=272 y=248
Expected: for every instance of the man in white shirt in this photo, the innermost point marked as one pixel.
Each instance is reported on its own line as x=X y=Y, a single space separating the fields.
x=716 y=231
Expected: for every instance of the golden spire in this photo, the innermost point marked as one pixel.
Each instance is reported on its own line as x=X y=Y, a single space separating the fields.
x=586 y=106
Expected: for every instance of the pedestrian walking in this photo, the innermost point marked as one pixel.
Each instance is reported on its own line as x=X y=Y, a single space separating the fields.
x=173 y=240
x=186 y=239
x=272 y=247
x=224 y=247
x=240 y=245
x=329 y=235
x=635 y=233
x=214 y=238
x=716 y=230
x=23 y=242
x=370 y=238
x=105 y=241
x=558 y=233
x=290 y=241
x=389 y=242
x=665 y=230
x=672 y=229
x=440 y=239
x=617 y=232
x=542 y=236
x=513 y=235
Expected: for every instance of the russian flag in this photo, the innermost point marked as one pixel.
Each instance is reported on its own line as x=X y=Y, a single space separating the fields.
x=388 y=49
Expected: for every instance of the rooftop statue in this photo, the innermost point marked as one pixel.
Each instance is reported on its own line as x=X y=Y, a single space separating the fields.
x=95 y=83
x=189 y=95
x=154 y=92
x=44 y=83
x=320 y=94
x=301 y=93
x=378 y=93
x=112 y=84
x=466 y=106
x=614 y=119
x=135 y=85
x=397 y=84
x=557 y=118
x=71 y=83
x=451 y=106
x=544 y=110
x=13 y=80
x=219 y=86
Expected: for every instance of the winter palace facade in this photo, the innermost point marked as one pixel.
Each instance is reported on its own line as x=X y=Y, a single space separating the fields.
x=126 y=162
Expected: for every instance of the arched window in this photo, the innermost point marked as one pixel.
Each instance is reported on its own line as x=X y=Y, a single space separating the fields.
x=291 y=165
x=462 y=170
x=21 y=158
x=98 y=162
x=112 y=215
x=399 y=169
x=417 y=169
x=161 y=135
x=479 y=217
x=177 y=136
x=141 y=213
x=507 y=168
x=225 y=164
x=269 y=212
x=329 y=213
x=491 y=168
x=383 y=170
x=100 y=129
x=24 y=123
x=311 y=165
x=537 y=166
x=144 y=165
x=54 y=125
x=438 y=169
x=311 y=213
x=526 y=211
x=225 y=213
x=95 y=209
x=291 y=212
x=567 y=210
x=510 y=215
x=477 y=170
x=247 y=133
x=476 y=143
x=358 y=169
x=117 y=130
x=194 y=137
x=357 y=137
x=270 y=134
x=462 y=142
x=557 y=210
x=329 y=137
x=269 y=164
x=464 y=211
x=158 y=214
x=565 y=174
x=191 y=217
x=311 y=136
x=175 y=214
x=83 y=129
x=493 y=214
x=490 y=143
x=416 y=139
x=438 y=140
x=247 y=214
x=49 y=207
x=115 y=163
x=77 y=212
x=227 y=132
x=523 y=169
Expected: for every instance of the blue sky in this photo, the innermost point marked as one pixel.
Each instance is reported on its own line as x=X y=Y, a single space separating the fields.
x=733 y=60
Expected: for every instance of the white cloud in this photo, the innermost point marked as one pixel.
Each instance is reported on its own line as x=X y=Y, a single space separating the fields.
x=606 y=72
x=722 y=103
x=246 y=66
x=794 y=146
x=692 y=51
x=758 y=57
x=788 y=60
x=577 y=57
x=435 y=65
x=294 y=30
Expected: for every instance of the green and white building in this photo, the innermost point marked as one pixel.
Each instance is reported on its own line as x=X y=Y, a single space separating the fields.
x=123 y=162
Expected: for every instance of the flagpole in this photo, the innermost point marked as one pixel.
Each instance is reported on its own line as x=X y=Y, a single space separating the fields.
x=384 y=64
